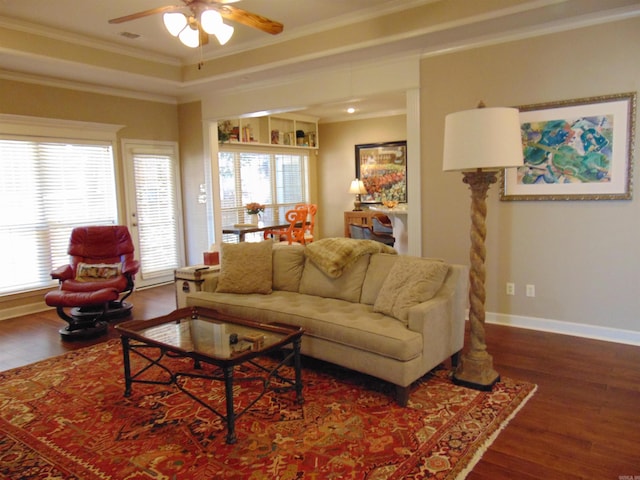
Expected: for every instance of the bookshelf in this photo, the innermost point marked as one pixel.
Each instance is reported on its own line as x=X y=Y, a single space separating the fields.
x=288 y=130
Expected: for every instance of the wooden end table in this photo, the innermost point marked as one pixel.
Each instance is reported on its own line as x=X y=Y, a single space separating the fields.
x=205 y=335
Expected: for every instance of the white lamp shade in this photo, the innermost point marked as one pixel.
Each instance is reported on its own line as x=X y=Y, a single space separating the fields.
x=190 y=37
x=357 y=187
x=486 y=138
x=224 y=33
x=174 y=22
x=210 y=21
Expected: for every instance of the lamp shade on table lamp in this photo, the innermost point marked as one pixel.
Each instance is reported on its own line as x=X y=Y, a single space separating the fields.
x=357 y=188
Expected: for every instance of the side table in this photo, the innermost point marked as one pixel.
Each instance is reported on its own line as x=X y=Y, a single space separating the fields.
x=189 y=279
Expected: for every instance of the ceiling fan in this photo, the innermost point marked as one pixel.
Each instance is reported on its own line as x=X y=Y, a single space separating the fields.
x=204 y=17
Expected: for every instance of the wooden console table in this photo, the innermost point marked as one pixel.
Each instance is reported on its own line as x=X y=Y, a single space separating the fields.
x=362 y=217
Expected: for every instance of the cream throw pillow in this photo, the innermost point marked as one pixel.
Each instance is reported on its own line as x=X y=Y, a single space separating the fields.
x=245 y=268
x=411 y=281
x=97 y=272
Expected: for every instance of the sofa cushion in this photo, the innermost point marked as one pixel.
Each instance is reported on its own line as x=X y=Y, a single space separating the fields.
x=246 y=268
x=411 y=281
x=288 y=263
x=347 y=286
x=322 y=318
x=380 y=265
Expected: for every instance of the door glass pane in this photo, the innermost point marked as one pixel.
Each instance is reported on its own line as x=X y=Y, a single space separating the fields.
x=155 y=214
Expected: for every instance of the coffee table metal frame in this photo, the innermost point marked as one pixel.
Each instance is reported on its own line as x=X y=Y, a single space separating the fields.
x=135 y=341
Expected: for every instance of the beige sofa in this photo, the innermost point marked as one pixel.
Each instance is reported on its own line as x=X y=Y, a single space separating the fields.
x=362 y=306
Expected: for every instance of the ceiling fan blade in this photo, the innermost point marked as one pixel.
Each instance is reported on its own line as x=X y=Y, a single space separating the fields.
x=250 y=19
x=145 y=13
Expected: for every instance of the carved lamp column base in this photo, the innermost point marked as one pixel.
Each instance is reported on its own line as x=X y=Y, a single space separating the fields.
x=475 y=369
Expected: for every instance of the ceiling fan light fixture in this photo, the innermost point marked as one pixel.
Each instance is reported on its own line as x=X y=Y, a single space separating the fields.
x=174 y=22
x=210 y=21
x=224 y=33
x=190 y=37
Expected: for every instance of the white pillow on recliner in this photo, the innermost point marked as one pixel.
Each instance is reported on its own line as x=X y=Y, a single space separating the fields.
x=97 y=272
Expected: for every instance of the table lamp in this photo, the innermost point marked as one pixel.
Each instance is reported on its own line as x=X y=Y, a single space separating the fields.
x=357 y=188
x=479 y=143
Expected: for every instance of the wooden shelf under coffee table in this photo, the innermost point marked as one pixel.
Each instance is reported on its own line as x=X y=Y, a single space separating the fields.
x=205 y=335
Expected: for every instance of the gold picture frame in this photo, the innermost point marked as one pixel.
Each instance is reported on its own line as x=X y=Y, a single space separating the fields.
x=578 y=149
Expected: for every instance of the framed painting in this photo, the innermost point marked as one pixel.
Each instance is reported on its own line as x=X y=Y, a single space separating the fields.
x=575 y=150
x=382 y=167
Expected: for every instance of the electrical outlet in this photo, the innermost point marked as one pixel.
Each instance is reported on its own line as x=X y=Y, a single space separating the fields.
x=531 y=290
x=511 y=288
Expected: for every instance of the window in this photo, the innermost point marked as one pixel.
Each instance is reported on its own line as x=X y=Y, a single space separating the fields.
x=277 y=179
x=47 y=187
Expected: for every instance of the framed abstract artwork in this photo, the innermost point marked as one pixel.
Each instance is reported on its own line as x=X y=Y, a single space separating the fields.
x=575 y=150
x=382 y=167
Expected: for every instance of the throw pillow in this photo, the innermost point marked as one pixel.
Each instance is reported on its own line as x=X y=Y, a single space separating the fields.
x=411 y=281
x=97 y=272
x=245 y=267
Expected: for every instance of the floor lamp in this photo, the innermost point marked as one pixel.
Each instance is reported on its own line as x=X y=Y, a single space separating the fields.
x=479 y=143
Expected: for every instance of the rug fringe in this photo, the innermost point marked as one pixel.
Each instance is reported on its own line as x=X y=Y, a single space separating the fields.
x=487 y=443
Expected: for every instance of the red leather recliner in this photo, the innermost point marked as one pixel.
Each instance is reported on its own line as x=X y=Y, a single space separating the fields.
x=99 y=277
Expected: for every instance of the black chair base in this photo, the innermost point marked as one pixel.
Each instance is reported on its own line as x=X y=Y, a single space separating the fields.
x=91 y=321
x=116 y=309
x=94 y=329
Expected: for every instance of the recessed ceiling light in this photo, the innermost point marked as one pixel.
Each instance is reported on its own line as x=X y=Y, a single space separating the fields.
x=351 y=110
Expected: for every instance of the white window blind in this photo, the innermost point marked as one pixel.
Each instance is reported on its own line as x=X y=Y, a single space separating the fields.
x=47 y=188
x=274 y=178
x=155 y=207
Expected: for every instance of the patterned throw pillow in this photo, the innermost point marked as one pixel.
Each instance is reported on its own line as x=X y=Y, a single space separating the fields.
x=97 y=272
x=245 y=267
x=411 y=281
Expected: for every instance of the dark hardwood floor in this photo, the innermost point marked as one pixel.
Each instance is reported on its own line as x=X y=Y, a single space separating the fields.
x=582 y=423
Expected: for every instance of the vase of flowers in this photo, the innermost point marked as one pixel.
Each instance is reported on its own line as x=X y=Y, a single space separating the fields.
x=254 y=210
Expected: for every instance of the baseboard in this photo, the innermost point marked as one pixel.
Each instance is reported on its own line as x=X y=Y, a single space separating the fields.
x=607 y=334
x=28 y=309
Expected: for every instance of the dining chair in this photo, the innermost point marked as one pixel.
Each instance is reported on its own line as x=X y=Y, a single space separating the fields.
x=381 y=223
x=294 y=232
x=366 y=232
x=310 y=222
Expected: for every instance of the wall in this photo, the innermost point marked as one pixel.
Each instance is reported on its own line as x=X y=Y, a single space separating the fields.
x=337 y=164
x=582 y=256
x=141 y=120
x=192 y=170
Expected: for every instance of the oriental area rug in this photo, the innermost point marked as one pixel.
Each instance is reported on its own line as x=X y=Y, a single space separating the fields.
x=67 y=418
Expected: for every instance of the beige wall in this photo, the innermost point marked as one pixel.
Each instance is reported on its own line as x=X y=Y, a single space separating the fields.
x=192 y=170
x=582 y=256
x=141 y=120
x=337 y=164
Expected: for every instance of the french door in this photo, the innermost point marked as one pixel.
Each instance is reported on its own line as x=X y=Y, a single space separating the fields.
x=154 y=208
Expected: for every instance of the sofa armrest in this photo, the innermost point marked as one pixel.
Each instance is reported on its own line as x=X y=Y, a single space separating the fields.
x=210 y=282
x=441 y=320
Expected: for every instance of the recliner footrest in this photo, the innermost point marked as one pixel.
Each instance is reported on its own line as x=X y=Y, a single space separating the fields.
x=61 y=298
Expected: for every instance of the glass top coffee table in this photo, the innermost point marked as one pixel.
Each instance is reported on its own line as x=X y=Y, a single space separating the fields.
x=205 y=335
